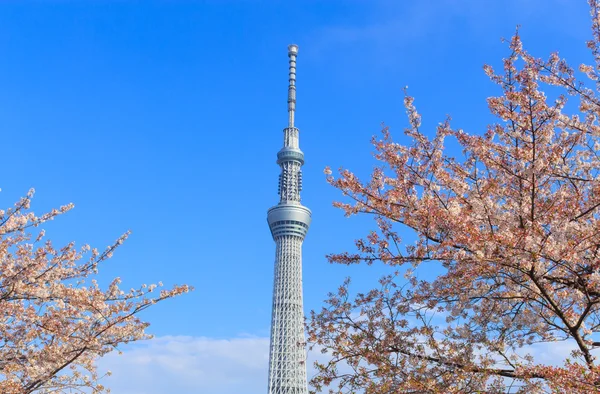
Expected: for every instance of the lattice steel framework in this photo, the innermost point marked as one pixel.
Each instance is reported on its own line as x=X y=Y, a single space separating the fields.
x=289 y=222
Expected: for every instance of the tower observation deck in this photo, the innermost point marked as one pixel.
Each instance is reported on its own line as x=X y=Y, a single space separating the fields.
x=289 y=221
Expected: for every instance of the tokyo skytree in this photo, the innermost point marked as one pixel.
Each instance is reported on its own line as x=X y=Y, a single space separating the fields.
x=289 y=222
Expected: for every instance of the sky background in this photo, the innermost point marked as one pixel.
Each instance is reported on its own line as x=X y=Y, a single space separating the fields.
x=165 y=117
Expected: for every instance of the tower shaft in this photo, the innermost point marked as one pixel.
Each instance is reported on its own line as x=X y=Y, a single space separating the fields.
x=289 y=221
x=287 y=370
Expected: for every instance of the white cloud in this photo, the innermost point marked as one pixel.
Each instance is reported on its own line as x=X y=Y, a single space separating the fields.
x=551 y=353
x=181 y=364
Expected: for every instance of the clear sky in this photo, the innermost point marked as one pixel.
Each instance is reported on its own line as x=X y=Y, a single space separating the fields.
x=164 y=117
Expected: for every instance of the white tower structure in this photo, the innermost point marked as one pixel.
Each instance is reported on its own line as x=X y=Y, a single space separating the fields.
x=289 y=222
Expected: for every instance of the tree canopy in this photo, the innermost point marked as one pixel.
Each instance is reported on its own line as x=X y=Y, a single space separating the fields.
x=55 y=319
x=514 y=226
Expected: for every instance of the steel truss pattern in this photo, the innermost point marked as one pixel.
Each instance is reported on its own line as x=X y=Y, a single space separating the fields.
x=289 y=221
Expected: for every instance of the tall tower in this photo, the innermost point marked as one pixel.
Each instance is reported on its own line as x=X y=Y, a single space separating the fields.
x=289 y=222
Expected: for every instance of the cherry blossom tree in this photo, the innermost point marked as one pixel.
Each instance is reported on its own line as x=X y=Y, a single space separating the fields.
x=55 y=320
x=513 y=229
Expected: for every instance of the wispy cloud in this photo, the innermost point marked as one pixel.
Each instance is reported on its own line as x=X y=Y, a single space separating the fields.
x=388 y=26
x=393 y=25
x=181 y=364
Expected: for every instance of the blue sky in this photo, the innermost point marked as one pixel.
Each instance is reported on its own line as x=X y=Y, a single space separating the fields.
x=164 y=117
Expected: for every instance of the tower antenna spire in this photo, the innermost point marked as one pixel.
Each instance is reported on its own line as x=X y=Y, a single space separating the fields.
x=292 y=52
